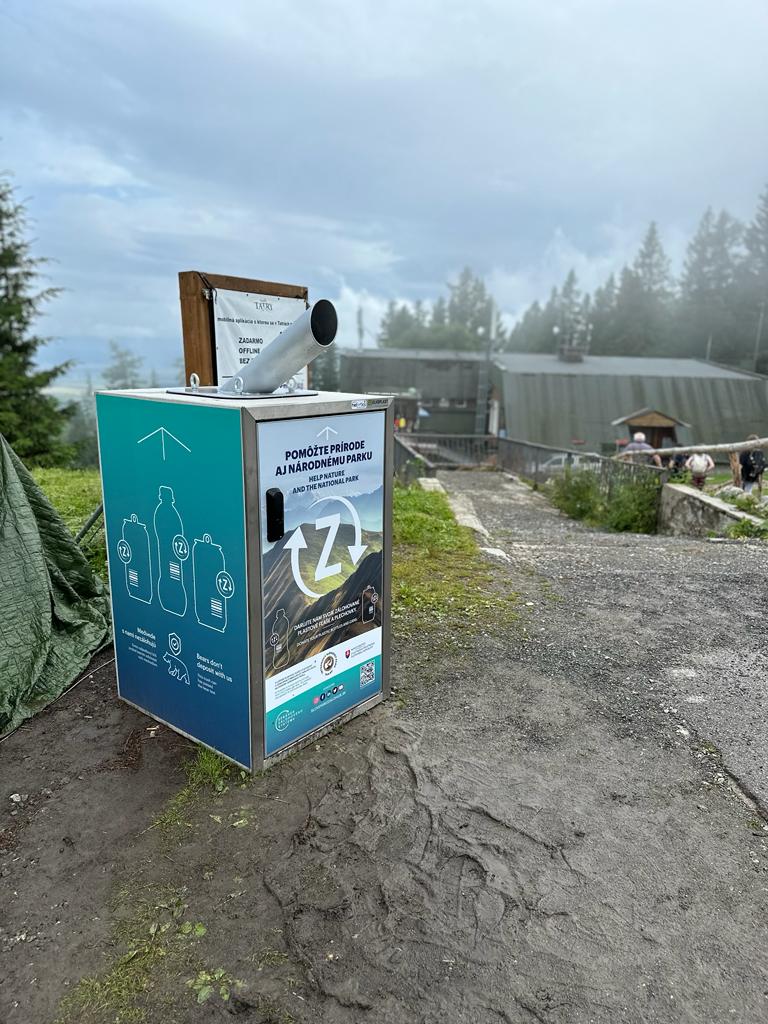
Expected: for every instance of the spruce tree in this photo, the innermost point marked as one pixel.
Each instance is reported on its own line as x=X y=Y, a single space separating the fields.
x=631 y=316
x=570 y=305
x=604 y=319
x=756 y=242
x=644 y=301
x=125 y=369
x=469 y=307
x=710 y=307
x=30 y=420
x=440 y=313
x=754 y=285
x=396 y=323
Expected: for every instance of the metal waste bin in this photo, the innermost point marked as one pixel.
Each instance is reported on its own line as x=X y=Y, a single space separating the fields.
x=249 y=557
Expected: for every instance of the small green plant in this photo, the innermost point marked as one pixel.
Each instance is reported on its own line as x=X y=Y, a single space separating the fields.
x=577 y=493
x=745 y=529
x=628 y=507
x=748 y=503
x=209 y=983
x=632 y=508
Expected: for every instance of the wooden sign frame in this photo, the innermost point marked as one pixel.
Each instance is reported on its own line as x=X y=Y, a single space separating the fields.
x=197 y=325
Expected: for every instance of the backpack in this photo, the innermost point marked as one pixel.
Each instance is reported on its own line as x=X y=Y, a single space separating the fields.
x=699 y=464
x=757 y=462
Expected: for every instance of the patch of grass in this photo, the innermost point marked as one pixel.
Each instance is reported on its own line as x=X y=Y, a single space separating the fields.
x=269 y=957
x=208 y=769
x=75 y=493
x=205 y=771
x=440 y=582
x=154 y=937
x=424 y=519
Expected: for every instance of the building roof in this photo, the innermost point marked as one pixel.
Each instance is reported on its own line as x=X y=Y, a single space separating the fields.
x=420 y=354
x=616 y=366
x=650 y=418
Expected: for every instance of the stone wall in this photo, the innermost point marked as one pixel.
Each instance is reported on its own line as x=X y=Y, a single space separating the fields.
x=686 y=512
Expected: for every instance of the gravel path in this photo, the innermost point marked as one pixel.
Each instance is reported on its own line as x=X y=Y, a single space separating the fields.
x=543 y=832
x=666 y=624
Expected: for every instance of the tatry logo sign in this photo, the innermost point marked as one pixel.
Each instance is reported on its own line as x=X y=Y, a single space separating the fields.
x=245 y=323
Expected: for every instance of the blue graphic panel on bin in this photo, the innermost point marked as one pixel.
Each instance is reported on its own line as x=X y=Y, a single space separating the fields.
x=174 y=507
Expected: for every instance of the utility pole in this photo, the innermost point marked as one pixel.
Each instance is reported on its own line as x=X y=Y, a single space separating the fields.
x=484 y=377
x=360 y=327
x=759 y=336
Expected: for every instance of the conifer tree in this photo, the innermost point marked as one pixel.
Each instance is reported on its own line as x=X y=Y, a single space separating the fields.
x=708 y=314
x=31 y=420
x=604 y=318
x=125 y=369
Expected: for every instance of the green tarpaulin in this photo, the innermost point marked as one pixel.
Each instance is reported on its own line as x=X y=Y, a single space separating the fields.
x=54 y=611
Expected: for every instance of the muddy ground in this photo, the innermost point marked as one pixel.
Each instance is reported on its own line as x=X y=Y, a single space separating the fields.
x=552 y=826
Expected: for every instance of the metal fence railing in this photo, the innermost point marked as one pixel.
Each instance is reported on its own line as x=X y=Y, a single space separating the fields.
x=424 y=454
x=452 y=451
x=539 y=463
x=409 y=464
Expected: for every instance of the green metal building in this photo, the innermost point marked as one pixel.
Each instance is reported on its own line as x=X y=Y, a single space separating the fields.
x=567 y=398
x=444 y=382
x=556 y=401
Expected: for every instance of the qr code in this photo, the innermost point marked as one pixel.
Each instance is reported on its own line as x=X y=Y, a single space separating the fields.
x=367 y=673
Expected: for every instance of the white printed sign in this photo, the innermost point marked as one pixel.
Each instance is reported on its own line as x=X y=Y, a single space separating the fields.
x=245 y=323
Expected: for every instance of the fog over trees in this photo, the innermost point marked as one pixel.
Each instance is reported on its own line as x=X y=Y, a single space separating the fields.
x=715 y=308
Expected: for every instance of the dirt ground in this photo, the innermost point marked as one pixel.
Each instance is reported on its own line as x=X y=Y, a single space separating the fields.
x=550 y=826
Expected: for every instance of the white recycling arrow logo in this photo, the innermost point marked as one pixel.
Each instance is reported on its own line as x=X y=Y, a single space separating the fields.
x=331 y=523
x=357 y=549
x=294 y=545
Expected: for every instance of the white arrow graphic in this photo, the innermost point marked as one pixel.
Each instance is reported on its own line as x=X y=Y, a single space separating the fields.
x=355 y=550
x=326 y=432
x=163 y=434
x=295 y=544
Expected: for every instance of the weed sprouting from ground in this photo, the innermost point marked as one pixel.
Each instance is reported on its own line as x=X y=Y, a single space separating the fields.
x=208 y=769
x=205 y=771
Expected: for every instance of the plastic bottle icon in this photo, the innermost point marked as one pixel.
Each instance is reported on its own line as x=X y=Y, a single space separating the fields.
x=279 y=640
x=133 y=551
x=172 y=550
x=368 y=600
x=213 y=585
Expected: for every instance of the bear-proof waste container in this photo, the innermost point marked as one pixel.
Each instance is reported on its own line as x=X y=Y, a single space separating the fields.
x=249 y=557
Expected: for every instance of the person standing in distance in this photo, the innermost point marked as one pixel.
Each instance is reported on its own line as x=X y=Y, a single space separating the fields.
x=752 y=465
x=638 y=444
x=700 y=463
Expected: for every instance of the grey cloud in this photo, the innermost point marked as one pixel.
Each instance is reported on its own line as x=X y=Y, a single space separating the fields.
x=375 y=149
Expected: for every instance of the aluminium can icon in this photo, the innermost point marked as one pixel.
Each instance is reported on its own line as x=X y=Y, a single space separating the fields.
x=213 y=584
x=133 y=552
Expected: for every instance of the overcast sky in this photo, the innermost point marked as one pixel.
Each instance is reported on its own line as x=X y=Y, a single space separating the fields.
x=368 y=150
